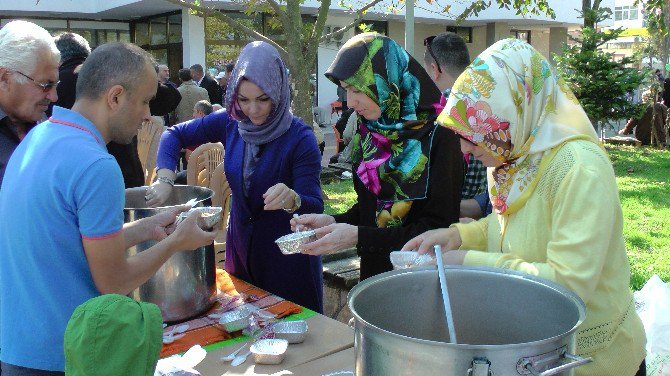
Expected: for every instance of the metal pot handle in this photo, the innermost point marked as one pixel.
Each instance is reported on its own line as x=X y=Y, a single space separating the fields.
x=351 y=322
x=528 y=364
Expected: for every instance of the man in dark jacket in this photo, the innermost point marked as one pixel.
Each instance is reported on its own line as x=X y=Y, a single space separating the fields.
x=206 y=81
x=74 y=49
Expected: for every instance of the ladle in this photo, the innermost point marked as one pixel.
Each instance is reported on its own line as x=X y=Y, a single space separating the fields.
x=445 y=293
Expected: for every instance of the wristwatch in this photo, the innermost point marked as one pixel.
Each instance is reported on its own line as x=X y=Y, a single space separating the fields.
x=296 y=203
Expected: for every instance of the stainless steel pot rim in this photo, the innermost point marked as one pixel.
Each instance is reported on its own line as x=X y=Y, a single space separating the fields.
x=554 y=286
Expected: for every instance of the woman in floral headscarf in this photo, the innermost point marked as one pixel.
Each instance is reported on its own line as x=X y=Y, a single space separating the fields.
x=557 y=213
x=408 y=172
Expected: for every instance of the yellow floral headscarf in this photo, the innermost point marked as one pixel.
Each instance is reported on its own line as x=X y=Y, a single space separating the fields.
x=511 y=103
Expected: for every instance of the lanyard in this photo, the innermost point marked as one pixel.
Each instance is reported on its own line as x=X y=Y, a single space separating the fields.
x=73 y=125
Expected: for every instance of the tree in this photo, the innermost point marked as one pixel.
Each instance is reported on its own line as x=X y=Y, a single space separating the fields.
x=603 y=85
x=302 y=41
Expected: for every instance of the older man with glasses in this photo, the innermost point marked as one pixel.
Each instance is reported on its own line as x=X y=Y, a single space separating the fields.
x=28 y=78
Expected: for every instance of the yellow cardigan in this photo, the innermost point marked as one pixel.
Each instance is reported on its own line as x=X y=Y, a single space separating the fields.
x=570 y=231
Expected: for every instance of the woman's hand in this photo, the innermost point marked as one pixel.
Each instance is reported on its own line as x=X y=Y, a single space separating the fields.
x=448 y=238
x=311 y=221
x=279 y=196
x=160 y=191
x=332 y=238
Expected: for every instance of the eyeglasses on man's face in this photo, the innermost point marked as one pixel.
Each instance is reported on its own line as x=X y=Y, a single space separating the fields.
x=427 y=42
x=45 y=87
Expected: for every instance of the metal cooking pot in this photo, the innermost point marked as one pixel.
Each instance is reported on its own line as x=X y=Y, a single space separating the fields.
x=507 y=323
x=185 y=285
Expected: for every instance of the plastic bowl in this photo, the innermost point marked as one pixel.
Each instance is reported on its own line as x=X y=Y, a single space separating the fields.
x=290 y=243
x=269 y=351
x=409 y=259
x=292 y=331
x=235 y=320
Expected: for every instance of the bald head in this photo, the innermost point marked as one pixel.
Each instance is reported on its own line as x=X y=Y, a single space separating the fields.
x=112 y=64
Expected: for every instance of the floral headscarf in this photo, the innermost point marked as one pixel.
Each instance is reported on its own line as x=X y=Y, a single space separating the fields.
x=390 y=154
x=509 y=102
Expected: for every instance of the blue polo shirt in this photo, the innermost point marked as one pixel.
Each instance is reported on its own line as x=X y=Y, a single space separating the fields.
x=60 y=186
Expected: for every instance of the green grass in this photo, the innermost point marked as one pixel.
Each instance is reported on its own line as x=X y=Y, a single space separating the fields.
x=643 y=177
x=341 y=197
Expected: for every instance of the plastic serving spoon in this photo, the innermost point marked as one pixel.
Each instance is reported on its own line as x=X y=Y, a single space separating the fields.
x=240 y=358
x=445 y=293
x=233 y=354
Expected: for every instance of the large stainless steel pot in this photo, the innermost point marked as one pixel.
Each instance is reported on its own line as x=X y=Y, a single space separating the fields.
x=185 y=285
x=507 y=323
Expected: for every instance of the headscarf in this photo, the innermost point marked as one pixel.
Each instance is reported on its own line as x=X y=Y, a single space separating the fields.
x=511 y=103
x=113 y=334
x=390 y=154
x=260 y=63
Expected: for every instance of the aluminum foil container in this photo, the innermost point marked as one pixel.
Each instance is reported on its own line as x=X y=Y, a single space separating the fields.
x=211 y=215
x=290 y=243
x=292 y=331
x=409 y=259
x=234 y=320
x=269 y=351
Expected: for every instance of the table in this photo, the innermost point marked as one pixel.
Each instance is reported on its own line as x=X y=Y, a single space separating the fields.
x=324 y=338
x=340 y=361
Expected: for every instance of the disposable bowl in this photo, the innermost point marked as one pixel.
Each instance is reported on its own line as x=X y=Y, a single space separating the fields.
x=290 y=243
x=235 y=320
x=409 y=259
x=292 y=331
x=269 y=351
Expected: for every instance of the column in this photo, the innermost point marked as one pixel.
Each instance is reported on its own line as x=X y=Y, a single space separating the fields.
x=496 y=31
x=193 y=39
x=558 y=36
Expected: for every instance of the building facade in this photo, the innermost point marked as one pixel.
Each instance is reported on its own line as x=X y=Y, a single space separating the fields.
x=179 y=39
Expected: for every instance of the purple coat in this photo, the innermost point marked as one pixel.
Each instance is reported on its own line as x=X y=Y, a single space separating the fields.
x=251 y=254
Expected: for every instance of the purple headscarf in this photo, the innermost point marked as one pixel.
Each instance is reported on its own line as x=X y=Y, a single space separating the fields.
x=260 y=63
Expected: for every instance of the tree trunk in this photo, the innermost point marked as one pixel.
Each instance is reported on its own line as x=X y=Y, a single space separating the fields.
x=589 y=17
x=302 y=100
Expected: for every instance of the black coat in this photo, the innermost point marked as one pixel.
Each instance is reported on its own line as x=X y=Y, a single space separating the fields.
x=68 y=72
x=166 y=100
x=213 y=89
x=439 y=209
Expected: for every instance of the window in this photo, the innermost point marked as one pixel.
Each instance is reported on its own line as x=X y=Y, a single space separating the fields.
x=160 y=35
x=521 y=34
x=463 y=32
x=623 y=13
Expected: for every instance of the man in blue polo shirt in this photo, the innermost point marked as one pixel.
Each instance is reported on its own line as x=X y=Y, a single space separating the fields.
x=66 y=241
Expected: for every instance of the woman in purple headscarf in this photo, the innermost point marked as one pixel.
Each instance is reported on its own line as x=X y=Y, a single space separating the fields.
x=272 y=163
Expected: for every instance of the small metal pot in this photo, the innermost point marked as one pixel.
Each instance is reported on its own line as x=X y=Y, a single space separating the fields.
x=185 y=285
x=507 y=324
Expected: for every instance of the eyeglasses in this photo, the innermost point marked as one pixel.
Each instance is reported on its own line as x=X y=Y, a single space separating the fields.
x=427 y=42
x=45 y=87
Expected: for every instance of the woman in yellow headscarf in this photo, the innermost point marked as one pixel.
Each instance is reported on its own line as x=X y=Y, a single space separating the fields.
x=556 y=206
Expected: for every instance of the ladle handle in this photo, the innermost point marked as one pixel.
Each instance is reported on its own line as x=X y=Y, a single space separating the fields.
x=445 y=293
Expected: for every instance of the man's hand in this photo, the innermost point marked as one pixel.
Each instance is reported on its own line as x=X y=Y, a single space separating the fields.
x=162 y=224
x=189 y=235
